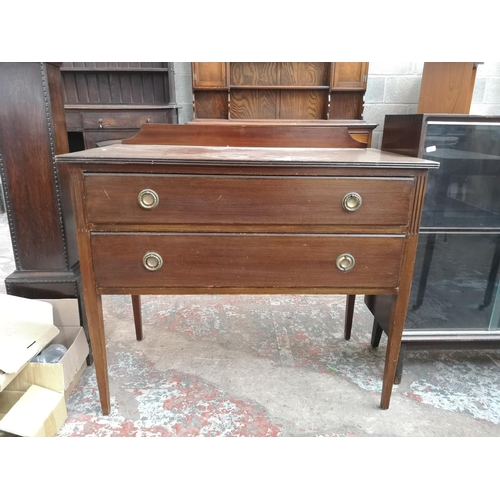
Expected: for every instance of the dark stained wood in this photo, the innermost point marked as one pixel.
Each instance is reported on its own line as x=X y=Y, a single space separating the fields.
x=247 y=200
x=37 y=194
x=136 y=307
x=376 y=333
x=122 y=119
x=359 y=130
x=239 y=262
x=246 y=135
x=241 y=291
x=87 y=85
x=349 y=313
x=37 y=197
x=93 y=301
x=252 y=228
x=108 y=101
x=367 y=159
x=33 y=205
x=403 y=134
x=216 y=260
x=351 y=124
x=400 y=303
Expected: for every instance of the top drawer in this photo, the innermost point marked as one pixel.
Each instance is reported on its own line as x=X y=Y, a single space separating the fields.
x=122 y=119
x=205 y=199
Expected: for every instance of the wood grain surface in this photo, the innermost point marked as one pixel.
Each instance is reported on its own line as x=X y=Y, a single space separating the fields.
x=197 y=200
x=222 y=260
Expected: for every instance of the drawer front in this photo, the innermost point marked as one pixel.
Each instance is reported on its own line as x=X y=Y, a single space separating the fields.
x=239 y=261
x=202 y=199
x=122 y=119
x=73 y=120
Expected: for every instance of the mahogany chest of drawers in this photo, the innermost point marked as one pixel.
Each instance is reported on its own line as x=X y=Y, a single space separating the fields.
x=160 y=219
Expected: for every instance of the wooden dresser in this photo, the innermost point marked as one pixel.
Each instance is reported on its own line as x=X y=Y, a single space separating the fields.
x=163 y=219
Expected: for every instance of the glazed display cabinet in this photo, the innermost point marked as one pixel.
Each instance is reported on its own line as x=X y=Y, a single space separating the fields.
x=455 y=295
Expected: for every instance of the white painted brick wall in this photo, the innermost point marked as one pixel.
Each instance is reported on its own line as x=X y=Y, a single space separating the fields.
x=394 y=88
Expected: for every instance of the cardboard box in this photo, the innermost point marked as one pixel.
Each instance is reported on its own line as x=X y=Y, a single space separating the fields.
x=62 y=376
x=37 y=412
x=26 y=327
x=33 y=403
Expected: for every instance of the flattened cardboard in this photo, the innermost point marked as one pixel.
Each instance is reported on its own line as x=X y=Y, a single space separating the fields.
x=39 y=412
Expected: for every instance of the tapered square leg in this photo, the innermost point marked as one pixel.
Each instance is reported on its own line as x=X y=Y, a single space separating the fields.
x=349 y=313
x=136 y=307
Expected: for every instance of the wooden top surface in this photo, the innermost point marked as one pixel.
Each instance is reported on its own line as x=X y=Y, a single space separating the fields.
x=215 y=155
x=284 y=122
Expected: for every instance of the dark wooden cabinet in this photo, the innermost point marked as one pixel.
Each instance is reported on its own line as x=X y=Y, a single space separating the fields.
x=279 y=90
x=244 y=220
x=39 y=212
x=111 y=101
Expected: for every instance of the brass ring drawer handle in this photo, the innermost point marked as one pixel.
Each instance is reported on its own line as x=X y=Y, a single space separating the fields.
x=345 y=262
x=351 y=202
x=152 y=261
x=148 y=199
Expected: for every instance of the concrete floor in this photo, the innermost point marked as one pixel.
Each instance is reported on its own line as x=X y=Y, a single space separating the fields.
x=270 y=366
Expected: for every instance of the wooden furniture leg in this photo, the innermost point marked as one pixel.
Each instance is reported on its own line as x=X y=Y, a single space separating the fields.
x=93 y=301
x=98 y=342
x=136 y=306
x=399 y=368
x=393 y=346
x=349 y=313
x=398 y=317
x=376 y=333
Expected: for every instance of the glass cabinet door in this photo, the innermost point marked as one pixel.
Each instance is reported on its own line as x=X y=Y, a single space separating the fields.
x=455 y=283
x=465 y=191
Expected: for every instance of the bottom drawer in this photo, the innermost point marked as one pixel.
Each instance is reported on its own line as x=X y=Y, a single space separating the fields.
x=245 y=261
